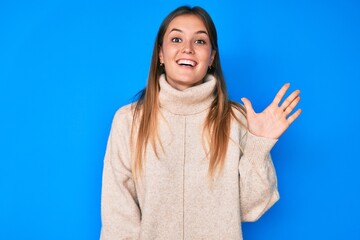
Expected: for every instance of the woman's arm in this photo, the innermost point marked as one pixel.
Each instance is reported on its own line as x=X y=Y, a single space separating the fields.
x=120 y=212
x=258 y=183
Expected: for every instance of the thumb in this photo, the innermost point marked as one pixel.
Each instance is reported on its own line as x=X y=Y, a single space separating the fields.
x=248 y=105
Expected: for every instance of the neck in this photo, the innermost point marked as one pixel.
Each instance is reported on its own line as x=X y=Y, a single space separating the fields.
x=191 y=100
x=182 y=87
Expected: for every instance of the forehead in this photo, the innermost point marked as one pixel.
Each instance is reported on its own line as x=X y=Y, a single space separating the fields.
x=187 y=23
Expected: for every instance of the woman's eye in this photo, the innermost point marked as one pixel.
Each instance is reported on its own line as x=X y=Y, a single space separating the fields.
x=200 y=42
x=176 y=40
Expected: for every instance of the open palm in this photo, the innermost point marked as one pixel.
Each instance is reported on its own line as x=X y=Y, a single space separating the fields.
x=275 y=119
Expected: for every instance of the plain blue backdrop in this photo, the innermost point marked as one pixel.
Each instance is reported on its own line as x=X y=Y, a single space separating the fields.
x=67 y=66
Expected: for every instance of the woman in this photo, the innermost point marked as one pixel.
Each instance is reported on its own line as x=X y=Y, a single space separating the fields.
x=185 y=162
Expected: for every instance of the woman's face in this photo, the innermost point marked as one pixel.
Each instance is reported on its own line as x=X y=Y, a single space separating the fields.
x=186 y=52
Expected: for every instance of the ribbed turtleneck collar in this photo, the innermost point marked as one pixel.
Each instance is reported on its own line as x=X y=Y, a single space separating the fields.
x=189 y=101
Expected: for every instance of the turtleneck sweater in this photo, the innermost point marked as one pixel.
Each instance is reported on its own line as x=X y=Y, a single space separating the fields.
x=175 y=198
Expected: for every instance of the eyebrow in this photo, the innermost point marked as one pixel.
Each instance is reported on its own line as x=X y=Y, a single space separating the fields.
x=179 y=30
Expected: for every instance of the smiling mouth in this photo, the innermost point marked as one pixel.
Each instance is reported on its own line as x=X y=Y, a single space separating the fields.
x=186 y=63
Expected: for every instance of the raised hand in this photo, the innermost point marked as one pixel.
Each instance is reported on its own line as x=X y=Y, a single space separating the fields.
x=275 y=119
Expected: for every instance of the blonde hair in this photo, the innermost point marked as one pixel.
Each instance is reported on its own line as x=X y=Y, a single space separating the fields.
x=217 y=123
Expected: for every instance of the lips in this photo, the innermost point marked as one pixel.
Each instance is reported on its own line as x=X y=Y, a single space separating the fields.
x=186 y=62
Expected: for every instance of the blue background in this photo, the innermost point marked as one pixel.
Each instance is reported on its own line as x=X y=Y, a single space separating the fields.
x=67 y=66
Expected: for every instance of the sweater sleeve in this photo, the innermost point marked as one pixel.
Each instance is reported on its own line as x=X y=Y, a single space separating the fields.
x=120 y=212
x=258 y=183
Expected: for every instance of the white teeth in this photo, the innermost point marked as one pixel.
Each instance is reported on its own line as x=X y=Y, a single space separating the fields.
x=186 y=62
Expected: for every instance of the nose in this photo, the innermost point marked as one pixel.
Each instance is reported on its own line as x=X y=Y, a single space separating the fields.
x=188 y=48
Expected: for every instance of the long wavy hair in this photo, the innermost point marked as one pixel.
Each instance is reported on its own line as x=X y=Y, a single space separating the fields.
x=217 y=123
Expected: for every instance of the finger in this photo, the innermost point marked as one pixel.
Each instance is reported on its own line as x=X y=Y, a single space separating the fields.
x=292 y=106
x=248 y=106
x=293 y=117
x=288 y=101
x=281 y=93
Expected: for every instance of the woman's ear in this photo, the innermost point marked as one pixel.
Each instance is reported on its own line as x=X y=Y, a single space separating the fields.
x=161 y=56
x=212 y=57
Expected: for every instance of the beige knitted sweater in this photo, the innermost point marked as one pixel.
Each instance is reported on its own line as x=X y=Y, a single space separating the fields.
x=174 y=199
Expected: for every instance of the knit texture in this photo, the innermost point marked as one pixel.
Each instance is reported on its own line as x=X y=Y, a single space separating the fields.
x=175 y=199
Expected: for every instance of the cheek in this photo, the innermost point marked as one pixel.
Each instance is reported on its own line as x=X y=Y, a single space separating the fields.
x=206 y=57
x=205 y=63
x=168 y=51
